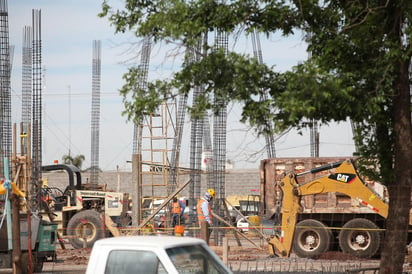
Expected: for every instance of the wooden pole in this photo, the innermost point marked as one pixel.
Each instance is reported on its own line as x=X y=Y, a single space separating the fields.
x=136 y=160
x=225 y=250
x=15 y=203
x=204 y=231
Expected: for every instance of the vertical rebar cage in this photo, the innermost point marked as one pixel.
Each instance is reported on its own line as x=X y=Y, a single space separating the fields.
x=37 y=110
x=5 y=90
x=95 y=119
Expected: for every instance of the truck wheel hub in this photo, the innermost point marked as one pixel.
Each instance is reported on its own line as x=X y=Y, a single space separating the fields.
x=310 y=240
x=360 y=239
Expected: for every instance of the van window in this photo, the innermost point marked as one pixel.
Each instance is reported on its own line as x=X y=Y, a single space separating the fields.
x=195 y=259
x=133 y=261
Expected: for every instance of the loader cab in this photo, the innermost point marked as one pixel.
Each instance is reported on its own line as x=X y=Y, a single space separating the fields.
x=66 y=197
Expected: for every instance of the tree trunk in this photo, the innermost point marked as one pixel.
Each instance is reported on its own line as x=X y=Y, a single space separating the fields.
x=394 y=248
x=395 y=241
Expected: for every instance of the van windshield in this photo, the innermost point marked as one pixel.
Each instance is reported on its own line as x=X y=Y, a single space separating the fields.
x=195 y=259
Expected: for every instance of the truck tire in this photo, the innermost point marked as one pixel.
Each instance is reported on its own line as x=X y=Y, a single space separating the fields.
x=86 y=225
x=312 y=238
x=360 y=243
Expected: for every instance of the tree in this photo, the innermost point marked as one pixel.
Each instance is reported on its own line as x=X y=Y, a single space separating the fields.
x=77 y=161
x=358 y=69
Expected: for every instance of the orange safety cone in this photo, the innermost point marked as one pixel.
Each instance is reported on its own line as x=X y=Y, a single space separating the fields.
x=179 y=230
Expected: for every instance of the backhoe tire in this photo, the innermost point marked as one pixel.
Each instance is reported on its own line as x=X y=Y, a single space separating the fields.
x=311 y=239
x=362 y=242
x=85 y=228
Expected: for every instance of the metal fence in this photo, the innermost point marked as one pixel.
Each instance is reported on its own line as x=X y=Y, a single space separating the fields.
x=293 y=266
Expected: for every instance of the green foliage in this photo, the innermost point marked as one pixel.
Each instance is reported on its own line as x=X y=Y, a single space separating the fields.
x=188 y=20
x=358 y=69
x=363 y=46
x=77 y=161
x=140 y=101
x=356 y=50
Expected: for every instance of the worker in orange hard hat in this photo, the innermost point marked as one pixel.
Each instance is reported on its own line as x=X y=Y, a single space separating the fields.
x=204 y=213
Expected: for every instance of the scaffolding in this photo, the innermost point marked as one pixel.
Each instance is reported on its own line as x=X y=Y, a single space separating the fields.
x=157 y=143
x=158 y=136
x=21 y=162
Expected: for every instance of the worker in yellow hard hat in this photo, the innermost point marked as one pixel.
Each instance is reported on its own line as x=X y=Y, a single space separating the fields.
x=204 y=213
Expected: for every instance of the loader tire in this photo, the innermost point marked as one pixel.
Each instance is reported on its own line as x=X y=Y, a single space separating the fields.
x=85 y=228
x=312 y=238
x=363 y=241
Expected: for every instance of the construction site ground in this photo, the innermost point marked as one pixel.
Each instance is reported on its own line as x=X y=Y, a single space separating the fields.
x=246 y=258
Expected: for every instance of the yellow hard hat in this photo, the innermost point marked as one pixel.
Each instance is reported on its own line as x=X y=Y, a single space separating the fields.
x=212 y=192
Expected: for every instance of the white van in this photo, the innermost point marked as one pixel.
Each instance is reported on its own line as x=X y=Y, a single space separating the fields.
x=154 y=254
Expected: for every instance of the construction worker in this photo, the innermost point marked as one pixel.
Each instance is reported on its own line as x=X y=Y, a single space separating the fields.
x=178 y=207
x=204 y=214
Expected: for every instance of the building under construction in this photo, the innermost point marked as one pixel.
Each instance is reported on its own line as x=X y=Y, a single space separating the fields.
x=157 y=138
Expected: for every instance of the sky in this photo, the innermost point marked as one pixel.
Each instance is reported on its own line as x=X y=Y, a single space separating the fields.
x=68 y=29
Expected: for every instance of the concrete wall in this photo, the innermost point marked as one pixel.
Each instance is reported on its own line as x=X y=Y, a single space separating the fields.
x=238 y=182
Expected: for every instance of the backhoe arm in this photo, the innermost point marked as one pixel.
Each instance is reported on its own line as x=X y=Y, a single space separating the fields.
x=344 y=180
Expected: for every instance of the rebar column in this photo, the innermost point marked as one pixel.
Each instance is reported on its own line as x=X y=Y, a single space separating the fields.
x=314 y=139
x=37 y=111
x=219 y=144
x=177 y=141
x=142 y=82
x=257 y=52
x=5 y=90
x=208 y=151
x=196 y=133
x=95 y=119
x=207 y=144
x=138 y=133
x=26 y=82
